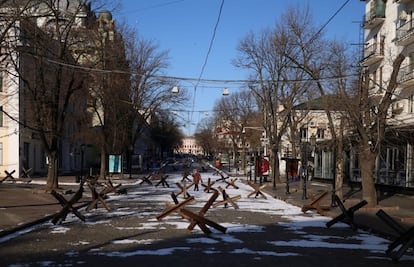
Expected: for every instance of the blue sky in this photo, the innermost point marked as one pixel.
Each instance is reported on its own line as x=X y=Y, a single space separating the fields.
x=185 y=27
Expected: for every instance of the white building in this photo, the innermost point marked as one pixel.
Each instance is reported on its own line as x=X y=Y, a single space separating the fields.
x=190 y=146
x=388 y=31
x=20 y=146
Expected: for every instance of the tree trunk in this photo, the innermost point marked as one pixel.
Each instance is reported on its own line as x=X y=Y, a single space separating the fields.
x=339 y=179
x=52 y=182
x=243 y=160
x=275 y=168
x=102 y=172
x=367 y=159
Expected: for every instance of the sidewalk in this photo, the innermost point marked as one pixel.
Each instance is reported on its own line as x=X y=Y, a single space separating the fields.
x=399 y=206
x=26 y=204
x=23 y=205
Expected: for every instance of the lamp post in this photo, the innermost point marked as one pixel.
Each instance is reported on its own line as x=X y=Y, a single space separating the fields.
x=251 y=157
x=228 y=158
x=264 y=140
x=333 y=201
x=130 y=152
x=287 y=179
x=82 y=148
x=305 y=178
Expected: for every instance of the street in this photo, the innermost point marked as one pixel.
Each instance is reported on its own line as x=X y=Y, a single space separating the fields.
x=261 y=231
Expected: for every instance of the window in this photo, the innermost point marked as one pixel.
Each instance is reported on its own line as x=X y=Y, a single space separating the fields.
x=1 y=153
x=395 y=158
x=374 y=79
x=411 y=104
x=320 y=133
x=1 y=116
x=380 y=77
x=303 y=133
x=1 y=80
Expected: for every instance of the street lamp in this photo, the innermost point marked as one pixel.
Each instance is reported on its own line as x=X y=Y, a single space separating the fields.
x=175 y=90
x=226 y=92
x=264 y=140
x=333 y=200
x=305 y=178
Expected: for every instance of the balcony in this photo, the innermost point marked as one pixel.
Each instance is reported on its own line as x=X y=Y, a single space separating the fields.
x=372 y=22
x=373 y=53
x=402 y=1
x=405 y=34
x=406 y=76
x=375 y=16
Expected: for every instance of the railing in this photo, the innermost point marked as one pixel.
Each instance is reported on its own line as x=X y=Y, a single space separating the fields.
x=372 y=50
x=372 y=15
x=406 y=73
x=392 y=177
x=404 y=30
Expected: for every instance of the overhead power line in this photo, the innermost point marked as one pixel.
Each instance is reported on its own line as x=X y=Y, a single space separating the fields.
x=329 y=20
x=200 y=80
x=208 y=53
x=211 y=41
x=152 y=7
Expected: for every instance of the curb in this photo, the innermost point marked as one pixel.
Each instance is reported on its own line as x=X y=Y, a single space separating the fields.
x=24 y=226
x=32 y=223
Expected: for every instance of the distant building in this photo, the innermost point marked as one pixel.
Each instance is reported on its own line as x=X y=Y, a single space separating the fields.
x=190 y=147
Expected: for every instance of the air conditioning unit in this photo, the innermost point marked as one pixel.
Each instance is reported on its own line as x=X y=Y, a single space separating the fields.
x=403 y=15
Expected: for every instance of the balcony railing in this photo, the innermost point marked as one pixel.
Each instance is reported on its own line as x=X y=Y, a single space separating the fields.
x=406 y=76
x=375 y=16
x=405 y=34
x=402 y=1
x=373 y=53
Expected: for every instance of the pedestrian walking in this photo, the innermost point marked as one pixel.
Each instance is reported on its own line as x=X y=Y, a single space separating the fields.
x=196 y=179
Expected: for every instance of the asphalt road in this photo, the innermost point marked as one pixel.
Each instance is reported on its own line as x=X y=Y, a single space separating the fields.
x=130 y=235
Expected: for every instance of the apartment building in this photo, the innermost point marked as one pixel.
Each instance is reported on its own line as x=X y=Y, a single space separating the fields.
x=20 y=145
x=388 y=31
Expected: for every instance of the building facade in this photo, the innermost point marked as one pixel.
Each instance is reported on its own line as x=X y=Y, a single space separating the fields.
x=388 y=31
x=190 y=146
x=20 y=145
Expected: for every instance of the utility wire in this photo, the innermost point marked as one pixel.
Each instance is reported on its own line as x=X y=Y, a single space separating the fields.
x=326 y=23
x=208 y=53
x=152 y=7
x=211 y=42
x=200 y=80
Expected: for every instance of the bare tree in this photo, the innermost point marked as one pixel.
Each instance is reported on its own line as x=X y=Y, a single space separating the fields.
x=371 y=124
x=50 y=77
x=204 y=136
x=319 y=58
x=150 y=91
x=166 y=133
x=234 y=113
x=311 y=54
x=10 y=12
x=109 y=92
x=272 y=75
